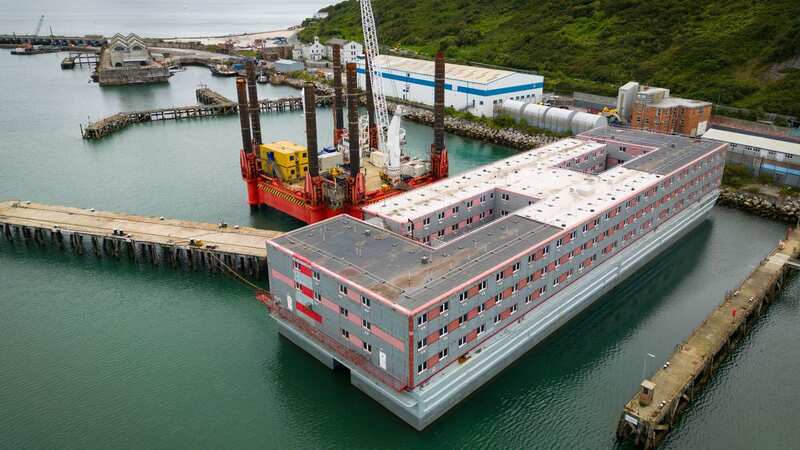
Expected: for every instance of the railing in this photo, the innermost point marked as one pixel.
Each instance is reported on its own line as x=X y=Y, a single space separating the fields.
x=330 y=344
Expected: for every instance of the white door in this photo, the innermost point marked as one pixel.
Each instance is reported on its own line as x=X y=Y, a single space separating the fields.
x=382 y=359
x=289 y=302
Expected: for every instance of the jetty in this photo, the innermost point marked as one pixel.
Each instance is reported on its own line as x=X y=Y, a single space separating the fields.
x=210 y=104
x=651 y=414
x=215 y=248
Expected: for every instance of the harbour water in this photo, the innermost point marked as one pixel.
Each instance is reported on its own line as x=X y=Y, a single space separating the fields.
x=100 y=354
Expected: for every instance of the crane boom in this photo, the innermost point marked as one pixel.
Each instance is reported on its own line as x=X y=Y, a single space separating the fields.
x=375 y=71
x=39 y=25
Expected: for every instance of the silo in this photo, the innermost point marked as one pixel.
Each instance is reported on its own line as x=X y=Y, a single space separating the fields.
x=552 y=118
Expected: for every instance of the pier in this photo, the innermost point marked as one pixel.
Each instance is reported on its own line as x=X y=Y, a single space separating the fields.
x=211 y=104
x=215 y=248
x=649 y=416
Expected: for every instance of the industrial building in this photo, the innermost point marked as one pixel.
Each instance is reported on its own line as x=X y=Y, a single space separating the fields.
x=288 y=66
x=126 y=60
x=439 y=289
x=763 y=156
x=550 y=117
x=467 y=88
x=652 y=108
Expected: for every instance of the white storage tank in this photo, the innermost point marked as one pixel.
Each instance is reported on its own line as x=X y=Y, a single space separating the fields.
x=552 y=118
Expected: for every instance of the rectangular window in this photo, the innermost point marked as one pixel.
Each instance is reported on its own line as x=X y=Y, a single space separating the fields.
x=585 y=228
x=546 y=250
x=543 y=271
x=317 y=296
x=499 y=276
x=365 y=301
x=454 y=227
x=440 y=233
x=498 y=298
x=469 y=204
x=366 y=324
x=426 y=221
x=481 y=308
x=455 y=209
x=422 y=367
x=462 y=319
x=496 y=319
x=345 y=333
x=441 y=216
x=469 y=221
x=443 y=353
x=343 y=311
x=542 y=289
x=462 y=341
x=422 y=343
x=316 y=276
x=422 y=319
x=515 y=267
x=573 y=235
x=443 y=331
x=482 y=286
x=528 y=299
x=513 y=308
x=342 y=289
x=444 y=307
x=481 y=329
x=367 y=347
x=555 y=282
x=463 y=296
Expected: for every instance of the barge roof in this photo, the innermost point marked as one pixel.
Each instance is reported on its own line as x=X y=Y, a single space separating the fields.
x=392 y=266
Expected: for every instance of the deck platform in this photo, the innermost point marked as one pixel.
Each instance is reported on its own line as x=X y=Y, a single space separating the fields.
x=191 y=245
x=681 y=379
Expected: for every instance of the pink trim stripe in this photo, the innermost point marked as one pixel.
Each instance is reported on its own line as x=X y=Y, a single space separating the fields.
x=330 y=305
x=394 y=342
x=282 y=278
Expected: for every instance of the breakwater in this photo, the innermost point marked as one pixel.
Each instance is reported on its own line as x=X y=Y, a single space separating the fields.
x=507 y=137
x=771 y=207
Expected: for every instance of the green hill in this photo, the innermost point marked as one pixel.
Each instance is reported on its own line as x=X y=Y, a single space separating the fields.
x=739 y=52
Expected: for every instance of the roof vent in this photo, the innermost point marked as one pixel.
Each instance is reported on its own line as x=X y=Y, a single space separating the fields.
x=426 y=259
x=367 y=232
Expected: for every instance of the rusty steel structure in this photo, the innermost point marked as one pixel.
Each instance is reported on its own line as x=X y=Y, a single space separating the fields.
x=439 y=162
x=338 y=102
x=255 y=108
x=244 y=119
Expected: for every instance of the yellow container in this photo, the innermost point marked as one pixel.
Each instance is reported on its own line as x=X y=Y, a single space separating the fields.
x=287 y=174
x=302 y=169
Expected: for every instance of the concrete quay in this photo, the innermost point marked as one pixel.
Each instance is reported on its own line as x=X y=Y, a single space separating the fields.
x=178 y=243
x=651 y=414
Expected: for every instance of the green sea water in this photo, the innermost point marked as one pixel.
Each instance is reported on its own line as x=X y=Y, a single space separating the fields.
x=101 y=354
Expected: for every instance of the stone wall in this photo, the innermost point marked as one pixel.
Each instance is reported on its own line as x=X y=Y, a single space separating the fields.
x=785 y=209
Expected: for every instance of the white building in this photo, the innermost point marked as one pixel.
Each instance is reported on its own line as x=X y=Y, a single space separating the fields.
x=762 y=155
x=315 y=51
x=352 y=51
x=467 y=88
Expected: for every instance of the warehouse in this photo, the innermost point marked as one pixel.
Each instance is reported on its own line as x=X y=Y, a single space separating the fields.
x=467 y=88
x=763 y=156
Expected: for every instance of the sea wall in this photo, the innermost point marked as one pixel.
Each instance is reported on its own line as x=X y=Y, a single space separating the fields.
x=785 y=209
x=507 y=137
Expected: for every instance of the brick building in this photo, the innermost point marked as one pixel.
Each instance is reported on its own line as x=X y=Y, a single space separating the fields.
x=652 y=108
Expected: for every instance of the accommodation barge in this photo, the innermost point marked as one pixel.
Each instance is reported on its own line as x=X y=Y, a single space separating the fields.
x=437 y=290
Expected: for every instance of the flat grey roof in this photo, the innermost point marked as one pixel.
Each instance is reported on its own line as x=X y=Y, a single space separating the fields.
x=391 y=265
x=672 y=150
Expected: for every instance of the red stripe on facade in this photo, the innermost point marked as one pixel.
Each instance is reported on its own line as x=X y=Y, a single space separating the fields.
x=304 y=309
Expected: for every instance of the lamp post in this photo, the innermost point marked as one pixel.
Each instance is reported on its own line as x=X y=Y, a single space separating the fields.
x=644 y=365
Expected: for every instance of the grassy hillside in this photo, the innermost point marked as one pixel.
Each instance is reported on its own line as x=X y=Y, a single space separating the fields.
x=740 y=52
